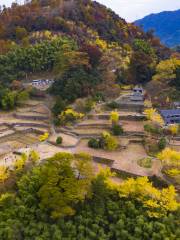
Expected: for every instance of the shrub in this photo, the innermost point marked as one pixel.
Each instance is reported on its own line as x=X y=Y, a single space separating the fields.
x=108 y=142
x=98 y=96
x=94 y=143
x=153 y=149
x=70 y=115
x=117 y=130
x=162 y=143
x=89 y=104
x=59 y=140
x=114 y=117
x=174 y=128
x=57 y=122
x=173 y=172
x=84 y=106
x=112 y=105
x=145 y=162
x=44 y=137
x=59 y=106
x=153 y=129
x=169 y=157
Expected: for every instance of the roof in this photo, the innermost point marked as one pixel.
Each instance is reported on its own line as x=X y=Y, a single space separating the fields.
x=138 y=88
x=176 y=103
x=168 y=112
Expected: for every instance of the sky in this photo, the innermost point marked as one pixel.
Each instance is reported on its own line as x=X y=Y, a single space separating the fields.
x=131 y=9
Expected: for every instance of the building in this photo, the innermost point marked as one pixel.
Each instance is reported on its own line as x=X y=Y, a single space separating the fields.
x=176 y=105
x=171 y=116
x=137 y=95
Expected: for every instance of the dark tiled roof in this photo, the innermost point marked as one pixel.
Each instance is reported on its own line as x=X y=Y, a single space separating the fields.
x=176 y=103
x=169 y=112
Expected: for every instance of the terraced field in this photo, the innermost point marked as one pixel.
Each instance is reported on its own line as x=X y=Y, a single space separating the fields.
x=24 y=138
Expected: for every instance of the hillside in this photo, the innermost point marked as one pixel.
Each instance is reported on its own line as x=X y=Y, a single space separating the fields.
x=165 y=25
x=87 y=23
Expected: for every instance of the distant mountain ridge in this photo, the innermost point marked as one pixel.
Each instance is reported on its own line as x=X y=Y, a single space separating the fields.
x=166 y=26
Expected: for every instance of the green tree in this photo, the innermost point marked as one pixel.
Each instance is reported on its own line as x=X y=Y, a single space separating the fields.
x=63 y=184
x=21 y=33
x=75 y=83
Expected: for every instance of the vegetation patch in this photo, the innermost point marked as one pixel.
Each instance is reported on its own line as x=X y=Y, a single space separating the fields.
x=145 y=162
x=117 y=130
x=106 y=142
x=59 y=140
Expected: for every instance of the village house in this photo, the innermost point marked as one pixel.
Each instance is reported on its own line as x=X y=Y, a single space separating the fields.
x=138 y=94
x=171 y=116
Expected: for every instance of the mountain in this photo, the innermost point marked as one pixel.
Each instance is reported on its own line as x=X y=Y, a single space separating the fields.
x=166 y=26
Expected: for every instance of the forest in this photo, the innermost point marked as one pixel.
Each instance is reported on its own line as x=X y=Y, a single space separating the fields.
x=57 y=201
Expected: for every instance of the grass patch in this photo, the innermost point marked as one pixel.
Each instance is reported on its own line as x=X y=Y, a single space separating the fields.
x=145 y=162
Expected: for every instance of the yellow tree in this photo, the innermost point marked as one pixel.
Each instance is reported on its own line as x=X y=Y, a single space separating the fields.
x=156 y=202
x=169 y=157
x=165 y=70
x=114 y=117
x=110 y=143
x=34 y=156
x=157 y=119
x=150 y=113
x=4 y=173
x=154 y=116
x=147 y=104
x=20 y=163
x=101 y=43
x=69 y=115
x=44 y=137
x=174 y=129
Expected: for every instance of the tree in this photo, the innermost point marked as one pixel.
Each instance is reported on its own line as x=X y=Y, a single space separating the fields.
x=150 y=113
x=75 y=83
x=166 y=70
x=59 y=140
x=93 y=52
x=22 y=97
x=44 y=137
x=108 y=142
x=162 y=143
x=8 y=101
x=169 y=157
x=117 y=130
x=156 y=202
x=70 y=116
x=20 y=163
x=141 y=68
x=4 y=173
x=34 y=156
x=94 y=143
x=59 y=106
x=174 y=129
x=147 y=104
x=144 y=46
x=154 y=116
x=64 y=183
x=21 y=33
x=114 y=118
x=68 y=58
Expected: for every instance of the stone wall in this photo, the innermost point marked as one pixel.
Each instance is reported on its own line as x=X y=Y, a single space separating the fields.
x=29 y=117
